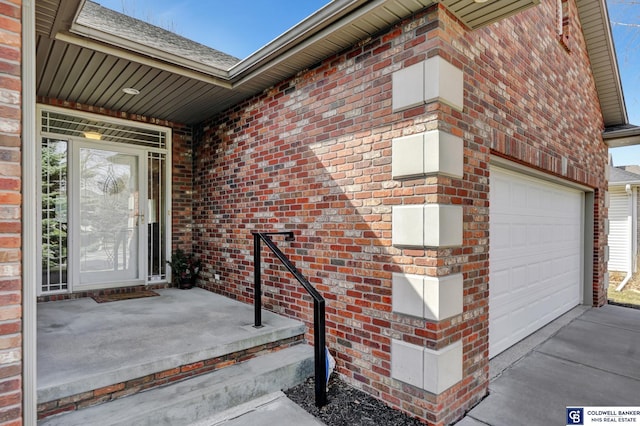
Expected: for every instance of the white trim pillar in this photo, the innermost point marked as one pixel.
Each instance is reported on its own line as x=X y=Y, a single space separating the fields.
x=430 y=153
x=432 y=370
x=29 y=219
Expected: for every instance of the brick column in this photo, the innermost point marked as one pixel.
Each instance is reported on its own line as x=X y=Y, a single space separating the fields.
x=10 y=215
x=432 y=225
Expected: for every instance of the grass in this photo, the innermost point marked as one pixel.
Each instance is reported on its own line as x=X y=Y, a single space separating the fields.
x=629 y=296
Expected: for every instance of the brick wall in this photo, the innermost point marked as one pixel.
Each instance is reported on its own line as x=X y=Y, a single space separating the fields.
x=10 y=215
x=541 y=106
x=313 y=155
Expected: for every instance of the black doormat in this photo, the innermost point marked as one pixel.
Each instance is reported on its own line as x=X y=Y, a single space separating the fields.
x=105 y=298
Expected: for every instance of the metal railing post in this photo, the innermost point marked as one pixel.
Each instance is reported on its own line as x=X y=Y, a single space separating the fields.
x=319 y=346
x=257 y=282
x=319 y=337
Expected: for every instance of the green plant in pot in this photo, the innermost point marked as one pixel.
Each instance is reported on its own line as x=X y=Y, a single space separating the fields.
x=185 y=269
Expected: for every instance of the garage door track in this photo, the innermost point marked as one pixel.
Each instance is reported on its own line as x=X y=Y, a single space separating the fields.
x=594 y=360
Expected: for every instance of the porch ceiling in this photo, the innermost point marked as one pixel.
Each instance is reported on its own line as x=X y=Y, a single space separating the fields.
x=478 y=14
x=84 y=74
x=76 y=62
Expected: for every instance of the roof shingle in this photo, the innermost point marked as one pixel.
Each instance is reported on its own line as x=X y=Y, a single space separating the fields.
x=619 y=175
x=117 y=24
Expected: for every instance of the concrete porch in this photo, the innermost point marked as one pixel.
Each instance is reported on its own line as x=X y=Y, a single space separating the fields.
x=90 y=353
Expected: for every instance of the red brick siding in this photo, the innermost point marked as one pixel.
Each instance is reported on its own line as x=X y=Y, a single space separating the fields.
x=182 y=170
x=313 y=155
x=10 y=215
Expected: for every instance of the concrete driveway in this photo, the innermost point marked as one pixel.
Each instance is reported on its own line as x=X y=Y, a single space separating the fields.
x=589 y=357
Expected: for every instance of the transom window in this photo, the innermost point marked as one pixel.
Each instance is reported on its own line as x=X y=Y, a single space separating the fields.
x=63 y=123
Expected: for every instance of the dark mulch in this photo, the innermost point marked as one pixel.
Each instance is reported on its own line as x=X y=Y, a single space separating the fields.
x=348 y=406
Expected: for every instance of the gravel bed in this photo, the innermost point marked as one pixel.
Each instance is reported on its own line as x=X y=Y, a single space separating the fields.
x=348 y=406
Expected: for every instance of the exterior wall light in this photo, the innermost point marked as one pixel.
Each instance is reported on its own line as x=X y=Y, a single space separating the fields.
x=93 y=135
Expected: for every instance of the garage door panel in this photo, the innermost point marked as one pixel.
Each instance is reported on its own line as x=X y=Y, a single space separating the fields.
x=521 y=288
x=533 y=274
x=517 y=325
x=540 y=277
x=501 y=282
x=535 y=255
x=501 y=236
x=543 y=237
x=518 y=199
x=528 y=297
x=534 y=198
x=520 y=323
x=518 y=235
x=534 y=234
x=538 y=255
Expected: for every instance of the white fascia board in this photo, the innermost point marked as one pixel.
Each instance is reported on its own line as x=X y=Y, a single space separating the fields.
x=29 y=215
x=611 y=50
x=624 y=137
x=322 y=18
x=328 y=20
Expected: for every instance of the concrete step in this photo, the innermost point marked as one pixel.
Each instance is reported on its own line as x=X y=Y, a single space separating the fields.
x=198 y=398
x=268 y=410
x=92 y=353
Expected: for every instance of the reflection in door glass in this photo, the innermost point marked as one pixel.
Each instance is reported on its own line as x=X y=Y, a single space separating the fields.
x=109 y=216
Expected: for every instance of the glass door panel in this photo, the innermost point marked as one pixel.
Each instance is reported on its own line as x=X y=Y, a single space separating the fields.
x=156 y=258
x=54 y=215
x=109 y=216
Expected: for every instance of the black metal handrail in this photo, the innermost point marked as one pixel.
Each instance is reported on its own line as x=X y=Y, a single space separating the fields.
x=319 y=340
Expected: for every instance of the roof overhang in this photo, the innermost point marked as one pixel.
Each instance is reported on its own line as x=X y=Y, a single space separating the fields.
x=329 y=20
x=596 y=28
x=476 y=14
x=337 y=26
x=619 y=136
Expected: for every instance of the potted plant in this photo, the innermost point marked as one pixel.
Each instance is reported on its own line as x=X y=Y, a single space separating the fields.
x=185 y=269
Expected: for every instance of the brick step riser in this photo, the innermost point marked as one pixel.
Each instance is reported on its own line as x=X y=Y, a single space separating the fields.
x=160 y=378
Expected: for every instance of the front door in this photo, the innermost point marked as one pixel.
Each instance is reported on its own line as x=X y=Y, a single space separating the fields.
x=109 y=218
x=104 y=202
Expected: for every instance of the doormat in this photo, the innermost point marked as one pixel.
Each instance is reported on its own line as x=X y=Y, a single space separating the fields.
x=105 y=298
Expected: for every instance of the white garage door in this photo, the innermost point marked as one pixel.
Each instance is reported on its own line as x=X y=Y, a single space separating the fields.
x=536 y=247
